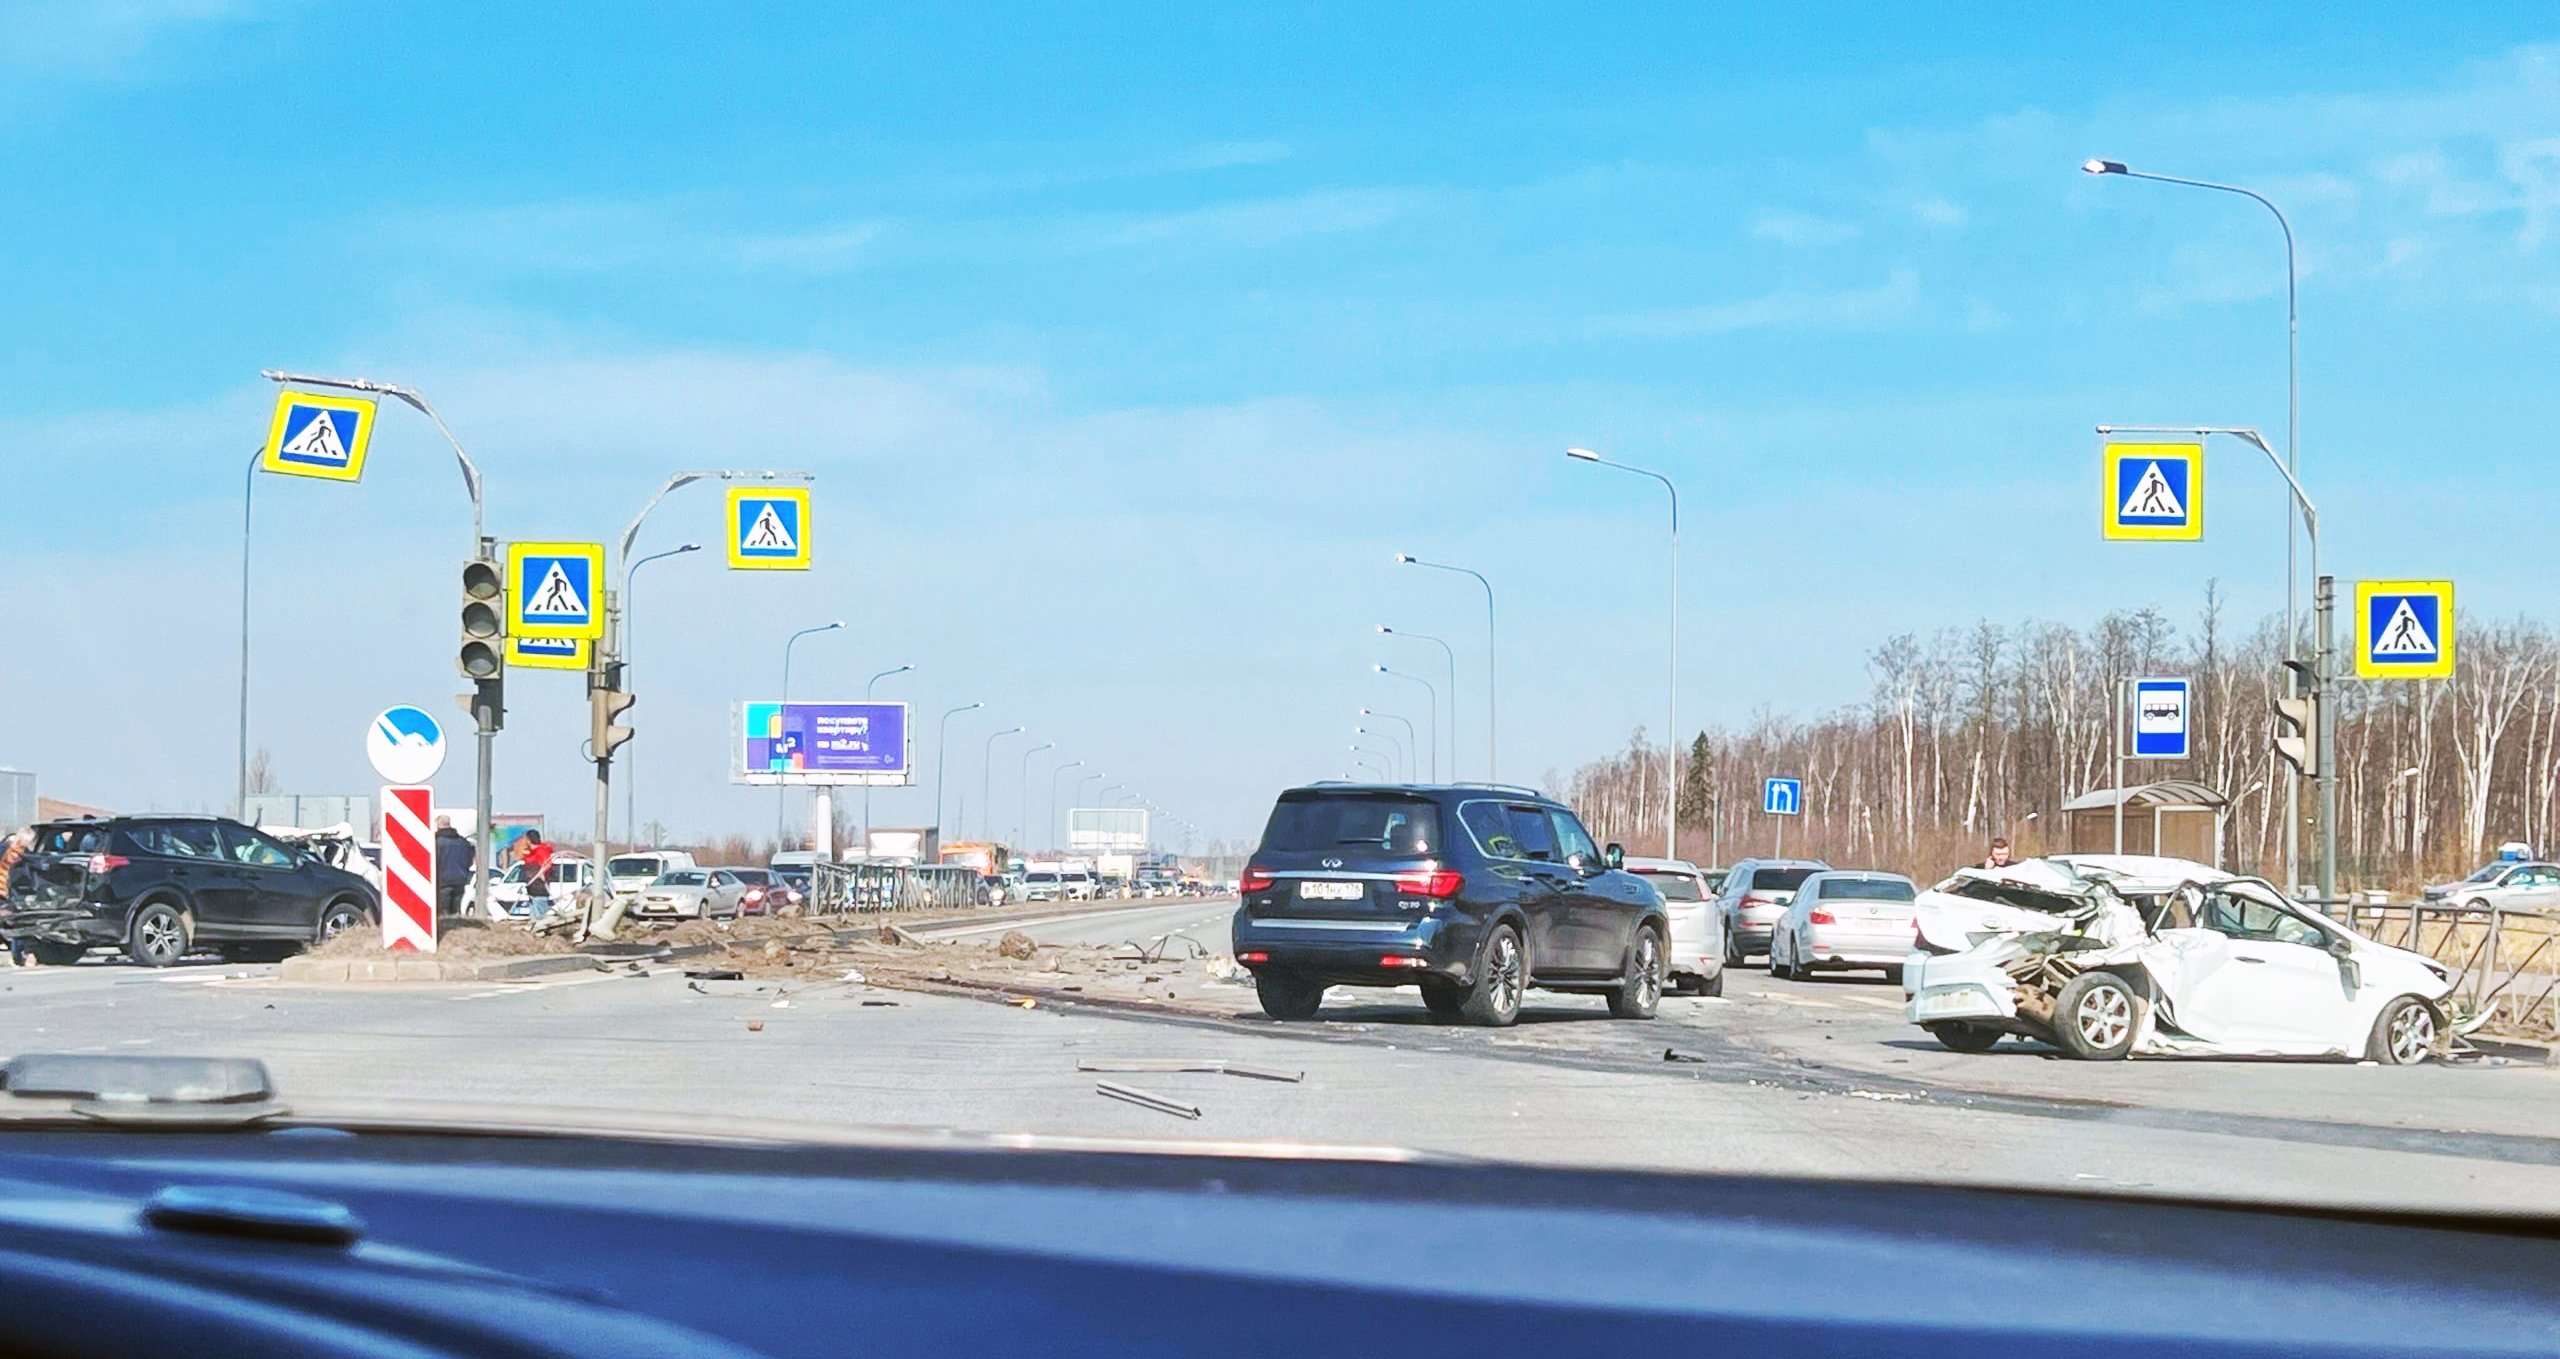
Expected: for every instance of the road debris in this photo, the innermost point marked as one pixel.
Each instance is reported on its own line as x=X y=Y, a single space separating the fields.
x=1885 y=1096
x=1016 y=944
x=1676 y=1055
x=714 y=974
x=1211 y=1065
x=755 y=1026
x=1145 y=1100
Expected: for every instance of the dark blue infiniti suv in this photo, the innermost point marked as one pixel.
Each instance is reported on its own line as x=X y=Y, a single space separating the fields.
x=1474 y=892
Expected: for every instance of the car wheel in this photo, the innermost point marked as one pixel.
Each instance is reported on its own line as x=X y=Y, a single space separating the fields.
x=341 y=916
x=1965 y=1037
x=1893 y=975
x=1732 y=950
x=1712 y=986
x=1777 y=968
x=1286 y=995
x=157 y=935
x=1502 y=974
x=1639 y=996
x=2404 y=1034
x=1445 y=1000
x=53 y=954
x=2095 y=1017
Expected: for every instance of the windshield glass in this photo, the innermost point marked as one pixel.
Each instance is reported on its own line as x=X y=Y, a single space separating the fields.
x=1560 y=436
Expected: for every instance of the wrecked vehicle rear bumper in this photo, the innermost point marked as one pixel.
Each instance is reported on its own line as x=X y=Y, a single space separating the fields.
x=1962 y=987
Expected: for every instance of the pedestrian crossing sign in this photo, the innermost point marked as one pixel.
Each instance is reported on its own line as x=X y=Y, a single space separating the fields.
x=769 y=528
x=552 y=590
x=548 y=653
x=2155 y=492
x=2404 y=629
x=318 y=436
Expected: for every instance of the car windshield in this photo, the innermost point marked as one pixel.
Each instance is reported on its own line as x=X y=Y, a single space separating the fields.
x=1865 y=889
x=1384 y=824
x=1607 y=464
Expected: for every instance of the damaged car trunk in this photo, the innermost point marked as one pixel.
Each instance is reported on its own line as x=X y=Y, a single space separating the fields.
x=2109 y=956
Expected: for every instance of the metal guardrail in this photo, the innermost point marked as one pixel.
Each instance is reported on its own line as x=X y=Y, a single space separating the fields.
x=2505 y=963
x=842 y=889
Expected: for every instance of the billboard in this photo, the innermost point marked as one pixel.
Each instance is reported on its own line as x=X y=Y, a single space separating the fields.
x=1108 y=829
x=820 y=742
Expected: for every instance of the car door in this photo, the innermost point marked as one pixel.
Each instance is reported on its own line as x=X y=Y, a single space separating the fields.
x=726 y=893
x=278 y=893
x=200 y=865
x=1541 y=875
x=2275 y=986
x=2537 y=888
x=1600 y=907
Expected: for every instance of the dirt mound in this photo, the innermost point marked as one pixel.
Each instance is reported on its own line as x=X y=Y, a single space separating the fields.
x=454 y=939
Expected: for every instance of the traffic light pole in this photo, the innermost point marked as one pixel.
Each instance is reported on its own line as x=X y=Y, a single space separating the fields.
x=2325 y=730
x=600 y=681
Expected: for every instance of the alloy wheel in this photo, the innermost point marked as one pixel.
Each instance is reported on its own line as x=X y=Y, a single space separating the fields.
x=2104 y=1016
x=2412 y=1034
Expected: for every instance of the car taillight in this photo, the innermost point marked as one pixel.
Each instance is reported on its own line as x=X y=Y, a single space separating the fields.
x=1399 y=960
x=1253 y=957
x=1430 y=882
x=101 y=863
x=1254 y=880
x=1823 y=917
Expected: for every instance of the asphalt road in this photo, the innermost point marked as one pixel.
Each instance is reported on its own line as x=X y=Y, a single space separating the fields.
x=1816 y=1078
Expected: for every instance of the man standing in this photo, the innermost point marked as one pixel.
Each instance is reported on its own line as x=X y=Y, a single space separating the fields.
x=1999 y=853
x=454 y=856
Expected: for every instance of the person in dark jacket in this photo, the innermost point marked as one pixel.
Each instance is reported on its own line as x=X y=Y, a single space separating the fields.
x=454 y=857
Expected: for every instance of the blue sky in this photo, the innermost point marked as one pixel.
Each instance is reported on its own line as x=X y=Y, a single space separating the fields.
x=1128 y=345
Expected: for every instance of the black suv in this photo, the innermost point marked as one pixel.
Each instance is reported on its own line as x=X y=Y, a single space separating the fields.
x=157 y=886
x=1475 y=892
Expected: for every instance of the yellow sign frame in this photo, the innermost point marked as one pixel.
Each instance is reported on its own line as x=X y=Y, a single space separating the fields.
x=2369 y=668
x=736 y=533
x=2111 y=504
x=274 y=460
x=581 y=654
x=520 y=626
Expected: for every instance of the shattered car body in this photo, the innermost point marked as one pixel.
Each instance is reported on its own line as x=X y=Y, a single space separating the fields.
x=2108 y=956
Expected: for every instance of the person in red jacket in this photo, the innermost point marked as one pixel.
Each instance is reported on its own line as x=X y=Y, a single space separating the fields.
x=535 y=853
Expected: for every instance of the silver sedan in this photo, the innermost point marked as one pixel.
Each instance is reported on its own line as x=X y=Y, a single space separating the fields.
x=1846 y=919
x=692 y=894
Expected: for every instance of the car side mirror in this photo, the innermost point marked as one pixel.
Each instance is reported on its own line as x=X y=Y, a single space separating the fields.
x=1615 y=855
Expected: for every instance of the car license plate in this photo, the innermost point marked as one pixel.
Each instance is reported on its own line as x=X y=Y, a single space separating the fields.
x=1331 y=891
x=1945 y=1002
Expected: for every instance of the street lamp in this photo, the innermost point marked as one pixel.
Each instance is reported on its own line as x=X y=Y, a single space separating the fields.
x=1022 y=814
x=986 y=779
x=866 y=787
x=1451 y=656
x=1412 y=744
x=1405 y=754
x=1671 y=720
x=941 y=765
x=1427 y=687
x=1053 y=800
x=779 y=788
x=1492 y=710
x=630 y=771
x=1358 y=748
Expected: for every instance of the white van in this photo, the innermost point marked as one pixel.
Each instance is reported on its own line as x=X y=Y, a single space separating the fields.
x=631 y=872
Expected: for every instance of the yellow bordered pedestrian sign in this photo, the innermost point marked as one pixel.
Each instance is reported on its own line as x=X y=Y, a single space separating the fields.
x=318 y=436
x=2404 y=629
x=549 y=653
x=555 y=590
x=2154 y=492
x=769 y=528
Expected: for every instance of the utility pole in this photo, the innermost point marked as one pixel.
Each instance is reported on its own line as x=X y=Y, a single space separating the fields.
x=2325 y=721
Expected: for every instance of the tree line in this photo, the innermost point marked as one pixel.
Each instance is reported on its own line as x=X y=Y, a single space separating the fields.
x=1982 y=731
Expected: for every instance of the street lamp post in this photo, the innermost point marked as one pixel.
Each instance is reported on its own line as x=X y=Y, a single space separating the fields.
x=1022 y=813
x=866 y=787
x=986 y=781
x=1671 y=719
x=248 y=492
x=2292 y=450
x=1427 y=687
x=1411 y=743
x=485 y=720
x=779 y=787
x=1053 y=800
x=942 y=749
x=1456 y=772
x=1405 y=749
x=630 y=768
x=1492 y=709
x=1381 y=754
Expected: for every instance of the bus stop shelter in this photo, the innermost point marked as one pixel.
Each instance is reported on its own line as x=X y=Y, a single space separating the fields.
x=2179 y=819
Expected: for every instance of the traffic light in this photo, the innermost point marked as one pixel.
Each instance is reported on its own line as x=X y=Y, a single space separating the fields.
x=483 y=585
x=605 y=702
x=2298 y=718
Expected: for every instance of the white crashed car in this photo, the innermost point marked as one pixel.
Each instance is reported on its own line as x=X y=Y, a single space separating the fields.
x=2107 y=956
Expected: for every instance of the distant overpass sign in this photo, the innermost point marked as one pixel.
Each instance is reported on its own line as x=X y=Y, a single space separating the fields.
x=1121 y=830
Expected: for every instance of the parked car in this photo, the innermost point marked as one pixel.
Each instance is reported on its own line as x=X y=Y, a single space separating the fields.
x=2529 y=885
x=1473 y=893
x=1696 y=945
x=1041 y=884
x=766 y=892
x=1076 y=884
x=159 y=886
x=693 y=894
x=1755 y=893
x=1845 y=919
x=2107 y=956
x=634 y=872
x=568 y=875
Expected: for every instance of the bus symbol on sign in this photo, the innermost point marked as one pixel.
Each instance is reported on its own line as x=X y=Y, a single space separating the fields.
x=1782 y=797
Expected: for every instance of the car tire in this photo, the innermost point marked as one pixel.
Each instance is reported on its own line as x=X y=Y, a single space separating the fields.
x=1893 y=975
x=2404 y=1034
x=1639 y=993
x=1501 y=978
x=1777 y=969
x=53 y=954
x=157 y=934
x=1447 y=1001
x=1712 y=986
x=1962 y=1037
x=338 y=917
x=1732 y=950
x=1286 y=995
x=2095 y=1017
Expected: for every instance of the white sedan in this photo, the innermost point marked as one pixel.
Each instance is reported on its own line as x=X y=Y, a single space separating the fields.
x=1697 y=932
x=2109 y=956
